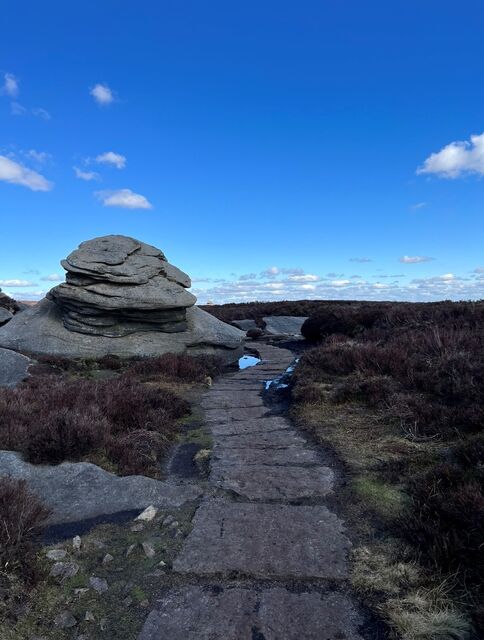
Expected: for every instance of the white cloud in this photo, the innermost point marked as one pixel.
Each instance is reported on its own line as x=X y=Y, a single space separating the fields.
x=418 y=205
x=479 y=270
x=40 y=157
x=271 y=272
x=15 y=283
x=85 y=175
x=456 y=158
x=17 y=109
x=415 y=259
x=102 y=94
x=10 y=85
x=361 y=260
x=340 y=283
x=111 y=158
x=38 y=112
x=307 y=277
x=124 y=198
x=53 y=277
x=16 y=173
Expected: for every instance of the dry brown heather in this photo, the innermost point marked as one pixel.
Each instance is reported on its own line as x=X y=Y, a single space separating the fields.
x=398 y=392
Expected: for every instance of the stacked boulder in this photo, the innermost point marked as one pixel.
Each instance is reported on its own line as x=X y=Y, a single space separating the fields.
x=116 y=285
x=121 y=297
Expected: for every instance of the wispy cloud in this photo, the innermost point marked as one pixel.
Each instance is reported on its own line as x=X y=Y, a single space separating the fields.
x=16 y=173
x=15 y=283
x=86 y=175
x=415 y=259
x=111 y=158
x=361 y=260
x=124 y=198
x=10 y=86
x=102 y=94
x=456 y=159
x=17 y=109
x=38 y=112
x=418 y=205
x=40 y=157
x=53 y=277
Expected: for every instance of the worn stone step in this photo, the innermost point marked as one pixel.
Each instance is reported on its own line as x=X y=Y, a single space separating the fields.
x=240 y=413
x=273 y=482
x=233 y=613
x=264 y=540
x=251 y=425
x=261 y=439
x=293 y=455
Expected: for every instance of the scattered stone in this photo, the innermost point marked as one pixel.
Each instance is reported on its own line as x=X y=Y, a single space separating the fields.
x=80 y=591
x=144 y=603
x=168 y=520
x=65 y=620
x=99 y=544
x=107 y=558
x=136 y=528
x=75 y=491
x=130 y=549
x=148 y=514
x=98 y=584
x=13 y=367
x=103 y=623
x=161 y=563
x=148 y=549
x=56 y=554
x=128 y=601
x=76 y=543
x=89 y=617
x=64 y=570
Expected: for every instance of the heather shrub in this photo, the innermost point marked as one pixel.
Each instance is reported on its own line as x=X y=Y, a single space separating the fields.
x=22 y=517
x=57 y=419
x=173 y=366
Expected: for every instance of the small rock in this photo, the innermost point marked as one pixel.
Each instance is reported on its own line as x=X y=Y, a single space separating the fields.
x=107 y=558
x=128 y=601
x=89 y=617
x=139 y=526
x=99 y=544
x=168 y=520
x=56 y=554
x=157 y=573
x=148 y=549
x=174 y=524
x=144 y=603
x=130 y=549
x=161 y=563
x=98 y=584
x=148 y=514
x=128 y=586
x=64 y=570
x=80 y=591
x=65 y=620
x=76 y=543
x=178 y=533
x=103 y=623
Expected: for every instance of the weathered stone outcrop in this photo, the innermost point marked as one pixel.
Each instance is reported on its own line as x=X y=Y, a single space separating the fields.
x=121 y=297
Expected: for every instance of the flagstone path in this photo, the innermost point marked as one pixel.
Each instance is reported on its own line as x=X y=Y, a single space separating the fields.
x=266 y=558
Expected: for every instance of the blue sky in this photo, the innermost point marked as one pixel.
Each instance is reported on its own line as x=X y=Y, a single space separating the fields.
x=272 y=149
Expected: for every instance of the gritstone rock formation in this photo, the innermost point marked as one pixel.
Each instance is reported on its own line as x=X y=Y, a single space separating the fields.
x=121 y=297
x=116 y=286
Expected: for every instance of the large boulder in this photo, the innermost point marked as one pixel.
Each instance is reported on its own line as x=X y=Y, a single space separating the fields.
x=5 y=316
x=76 y=491
x=117 y=285
x=13 y=368
x=284 y=325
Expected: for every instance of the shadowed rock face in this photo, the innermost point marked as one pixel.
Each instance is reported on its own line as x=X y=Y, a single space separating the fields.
x=117 y=285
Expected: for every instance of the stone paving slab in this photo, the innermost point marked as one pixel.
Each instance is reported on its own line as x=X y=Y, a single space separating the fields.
x=261 y=439
x=273 y=482
x=264 y=540
x=254 y=425
x=242 y=413
x=294 y=455
x=233 y=613
x=232 y=400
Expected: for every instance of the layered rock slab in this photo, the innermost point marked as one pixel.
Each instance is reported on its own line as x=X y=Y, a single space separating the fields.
x=234 y=613
x=39 y=330
x=77 y=491
x=264 y=540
